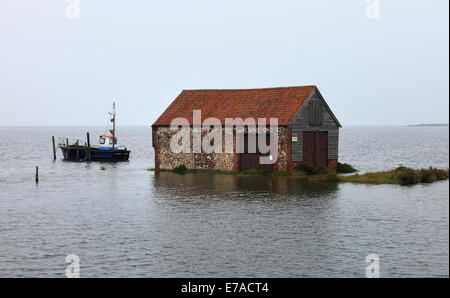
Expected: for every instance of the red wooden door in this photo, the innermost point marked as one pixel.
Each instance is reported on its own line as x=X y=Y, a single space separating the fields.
x=315 y=148
x=309 y=147
x=321 y=148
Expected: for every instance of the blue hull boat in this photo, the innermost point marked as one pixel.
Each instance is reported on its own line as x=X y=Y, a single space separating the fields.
x=106 y=151
x=82 y=153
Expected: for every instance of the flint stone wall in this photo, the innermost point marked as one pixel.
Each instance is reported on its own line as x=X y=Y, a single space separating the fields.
x=166 y=159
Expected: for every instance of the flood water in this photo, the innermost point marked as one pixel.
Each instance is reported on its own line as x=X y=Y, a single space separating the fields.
x=124 y=221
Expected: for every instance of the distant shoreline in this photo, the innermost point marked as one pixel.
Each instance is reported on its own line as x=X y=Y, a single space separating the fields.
x=432 y=125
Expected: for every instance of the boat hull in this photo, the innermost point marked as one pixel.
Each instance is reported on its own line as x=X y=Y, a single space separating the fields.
x=78 y=153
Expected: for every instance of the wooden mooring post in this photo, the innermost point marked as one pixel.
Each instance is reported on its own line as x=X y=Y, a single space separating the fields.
x=88 y=149
x=54 y=148
x=67 y=148
x=37 y=174
x=78 y=152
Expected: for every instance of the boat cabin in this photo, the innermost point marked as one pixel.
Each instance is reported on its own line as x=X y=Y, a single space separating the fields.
x=106 y=142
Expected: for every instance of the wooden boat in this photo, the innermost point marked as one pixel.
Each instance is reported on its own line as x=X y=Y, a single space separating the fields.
x=107 y=150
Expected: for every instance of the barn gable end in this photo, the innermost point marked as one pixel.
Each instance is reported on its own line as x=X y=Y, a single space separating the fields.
x=306 y=120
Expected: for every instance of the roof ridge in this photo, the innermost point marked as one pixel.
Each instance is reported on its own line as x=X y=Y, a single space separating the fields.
x=254 y=89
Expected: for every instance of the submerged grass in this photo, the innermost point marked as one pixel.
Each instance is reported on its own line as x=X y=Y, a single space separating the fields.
x=402 y=175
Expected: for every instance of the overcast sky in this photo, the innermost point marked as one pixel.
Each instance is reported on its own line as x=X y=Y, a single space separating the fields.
x=56 y=70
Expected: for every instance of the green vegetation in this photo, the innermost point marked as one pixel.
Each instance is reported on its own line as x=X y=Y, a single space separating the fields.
x=402 y=175
x=344 y=168
x=180 y=169
x=333 y=178
x=310 y=169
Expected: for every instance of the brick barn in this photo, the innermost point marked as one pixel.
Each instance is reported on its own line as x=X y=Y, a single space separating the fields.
x=308 y=131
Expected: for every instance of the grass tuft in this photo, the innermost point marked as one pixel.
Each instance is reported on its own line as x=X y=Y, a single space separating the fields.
x=310 y=169
x=181 y=169
x=344 y=168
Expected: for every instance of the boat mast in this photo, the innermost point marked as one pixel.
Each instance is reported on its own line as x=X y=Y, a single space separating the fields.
x=113 y=120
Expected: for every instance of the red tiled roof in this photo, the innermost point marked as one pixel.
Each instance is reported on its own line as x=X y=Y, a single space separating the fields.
x=282 y=103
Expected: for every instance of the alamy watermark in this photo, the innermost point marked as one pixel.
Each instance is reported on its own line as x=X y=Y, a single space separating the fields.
x=207 y=136
x=73 y=270
x=373 y=9
x=373 y=268
x=72 y=10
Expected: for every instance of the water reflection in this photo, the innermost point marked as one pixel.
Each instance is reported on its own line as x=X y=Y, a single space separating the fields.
x=196 y=184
